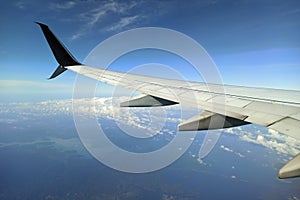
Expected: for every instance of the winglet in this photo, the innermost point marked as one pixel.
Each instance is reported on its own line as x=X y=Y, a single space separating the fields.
x=60 y=69
x=60 y=52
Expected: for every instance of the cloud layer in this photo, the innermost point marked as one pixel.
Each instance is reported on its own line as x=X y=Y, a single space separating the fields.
x=269 y=138
x=151 y=120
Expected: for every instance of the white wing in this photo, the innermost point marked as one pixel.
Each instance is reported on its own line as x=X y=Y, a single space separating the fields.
x=273 y=108
x=236 y=105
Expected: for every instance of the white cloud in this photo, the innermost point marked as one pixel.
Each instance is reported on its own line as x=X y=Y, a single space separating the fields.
x=260 y=138
x=124 y=22
x=103 y=108
x=200 y=160
x=226 y=148
x=20 y=5
x=62 y=5
x=231 y=151
x=104 y=11
x=269 y=138
x=141 y=118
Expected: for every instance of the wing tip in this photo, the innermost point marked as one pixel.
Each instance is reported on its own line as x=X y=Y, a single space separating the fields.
x=40 y=24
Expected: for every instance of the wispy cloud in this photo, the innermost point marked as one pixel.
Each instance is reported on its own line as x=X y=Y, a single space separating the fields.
x=124 y=22
x=291 y=12
x=110 y=10
x=62 y=5
x=20 y=5
x=111 y=7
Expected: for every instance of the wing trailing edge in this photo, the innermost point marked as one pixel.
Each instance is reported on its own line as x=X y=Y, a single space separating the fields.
x=147 y=101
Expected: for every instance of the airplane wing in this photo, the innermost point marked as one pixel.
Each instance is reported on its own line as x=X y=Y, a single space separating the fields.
x=236 y=105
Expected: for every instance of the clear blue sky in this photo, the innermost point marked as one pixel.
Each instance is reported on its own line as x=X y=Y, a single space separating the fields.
x=253 y=42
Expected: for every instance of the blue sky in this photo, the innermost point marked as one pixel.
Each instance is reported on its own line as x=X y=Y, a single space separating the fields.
x=253 y=42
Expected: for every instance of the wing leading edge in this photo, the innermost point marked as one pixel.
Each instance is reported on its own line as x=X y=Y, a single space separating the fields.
x=273 y=108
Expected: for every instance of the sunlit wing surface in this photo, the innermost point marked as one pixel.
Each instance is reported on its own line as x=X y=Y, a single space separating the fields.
x=236 y=105
x=273 y=108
